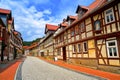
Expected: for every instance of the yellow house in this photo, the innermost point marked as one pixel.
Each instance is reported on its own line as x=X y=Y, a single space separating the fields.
x=93 y=38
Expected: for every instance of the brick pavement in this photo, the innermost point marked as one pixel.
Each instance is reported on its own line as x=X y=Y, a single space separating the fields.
x=107 y=75
x=8 y=71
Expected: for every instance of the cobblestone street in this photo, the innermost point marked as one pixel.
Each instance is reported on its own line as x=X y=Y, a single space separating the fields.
x=36 y=69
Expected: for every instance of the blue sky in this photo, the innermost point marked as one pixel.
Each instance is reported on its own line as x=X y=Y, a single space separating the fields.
x=32 y=15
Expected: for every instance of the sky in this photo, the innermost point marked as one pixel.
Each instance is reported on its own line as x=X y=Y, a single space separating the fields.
x=30 y=16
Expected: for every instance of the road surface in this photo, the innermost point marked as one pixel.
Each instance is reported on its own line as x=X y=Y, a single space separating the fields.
x=35 y=69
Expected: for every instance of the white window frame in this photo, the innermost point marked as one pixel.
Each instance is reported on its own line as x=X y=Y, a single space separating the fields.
x=84 y=47
x=112 y=13
x=112 y=49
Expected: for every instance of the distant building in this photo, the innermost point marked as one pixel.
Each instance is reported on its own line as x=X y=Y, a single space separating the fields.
x=10 y=39
x=26 y=50
x=47 y=43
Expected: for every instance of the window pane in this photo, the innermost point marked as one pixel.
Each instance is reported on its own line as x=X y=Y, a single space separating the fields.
x=108 y=20
x=111 y=17
x=110 y=51
x=115 y=51
x=97 y=25
x=108 y=11
x=85 y=46
x=78 y=47
x=82 y=25
x=74 y=48
x=111 y=44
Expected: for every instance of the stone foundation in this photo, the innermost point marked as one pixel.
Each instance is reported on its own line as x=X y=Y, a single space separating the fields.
x=109 y=69
x=92 y=63
x=87 y=62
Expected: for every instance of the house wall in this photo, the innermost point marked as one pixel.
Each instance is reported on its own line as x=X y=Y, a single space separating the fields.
x=97 y=53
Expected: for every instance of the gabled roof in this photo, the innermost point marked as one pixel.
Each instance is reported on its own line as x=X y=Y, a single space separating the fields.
x=15 y=32
x=33 y=45
x=1 y=22
x=25 y=47
x=5 y=11
x=50 y=27
x=92 y=8
x=64 y=24
x=11 y=21
x=81 y=7
x=71 y=17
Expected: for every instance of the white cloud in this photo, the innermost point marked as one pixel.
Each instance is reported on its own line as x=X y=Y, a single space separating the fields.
x=47 y=12
x=29 y=21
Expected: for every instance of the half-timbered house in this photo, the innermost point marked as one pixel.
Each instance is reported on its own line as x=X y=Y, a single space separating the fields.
x=93 y=39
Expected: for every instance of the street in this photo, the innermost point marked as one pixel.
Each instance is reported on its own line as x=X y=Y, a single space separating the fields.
x=35 y=69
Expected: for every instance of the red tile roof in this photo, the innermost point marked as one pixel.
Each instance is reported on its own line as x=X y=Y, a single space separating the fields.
x=96 y=3
x=73 y=17
x=26 y=47
x=51 y=27
x=33 y=45
x=15 y=32
x=64 y=24
x=91 y=8
x=5 y=11
x=11 y=21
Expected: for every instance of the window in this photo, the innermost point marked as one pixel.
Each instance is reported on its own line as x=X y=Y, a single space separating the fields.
x=119 y=8
x=85 y=47
x=74 y=48
x=76 y=30
x=112 y=48
x=109 y=16
x=61 y=38
x=97 y=25
x=108 y=0
x=82 y=27
x=59 y=52
x=79 y=48
x=72 y=32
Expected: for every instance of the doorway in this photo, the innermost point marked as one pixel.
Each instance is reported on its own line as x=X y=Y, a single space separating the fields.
x=64 y=53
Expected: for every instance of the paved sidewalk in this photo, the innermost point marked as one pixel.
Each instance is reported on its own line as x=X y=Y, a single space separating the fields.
x=107 y=75
x=8 y=70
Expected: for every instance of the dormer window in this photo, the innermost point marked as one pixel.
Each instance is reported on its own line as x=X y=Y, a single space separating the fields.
x=70 y=19
x=81 y=10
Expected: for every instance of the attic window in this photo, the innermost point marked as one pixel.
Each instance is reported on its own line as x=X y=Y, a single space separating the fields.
x=81 y=11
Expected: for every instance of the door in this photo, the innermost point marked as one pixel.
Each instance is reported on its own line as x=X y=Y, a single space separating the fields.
x=64 y=53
